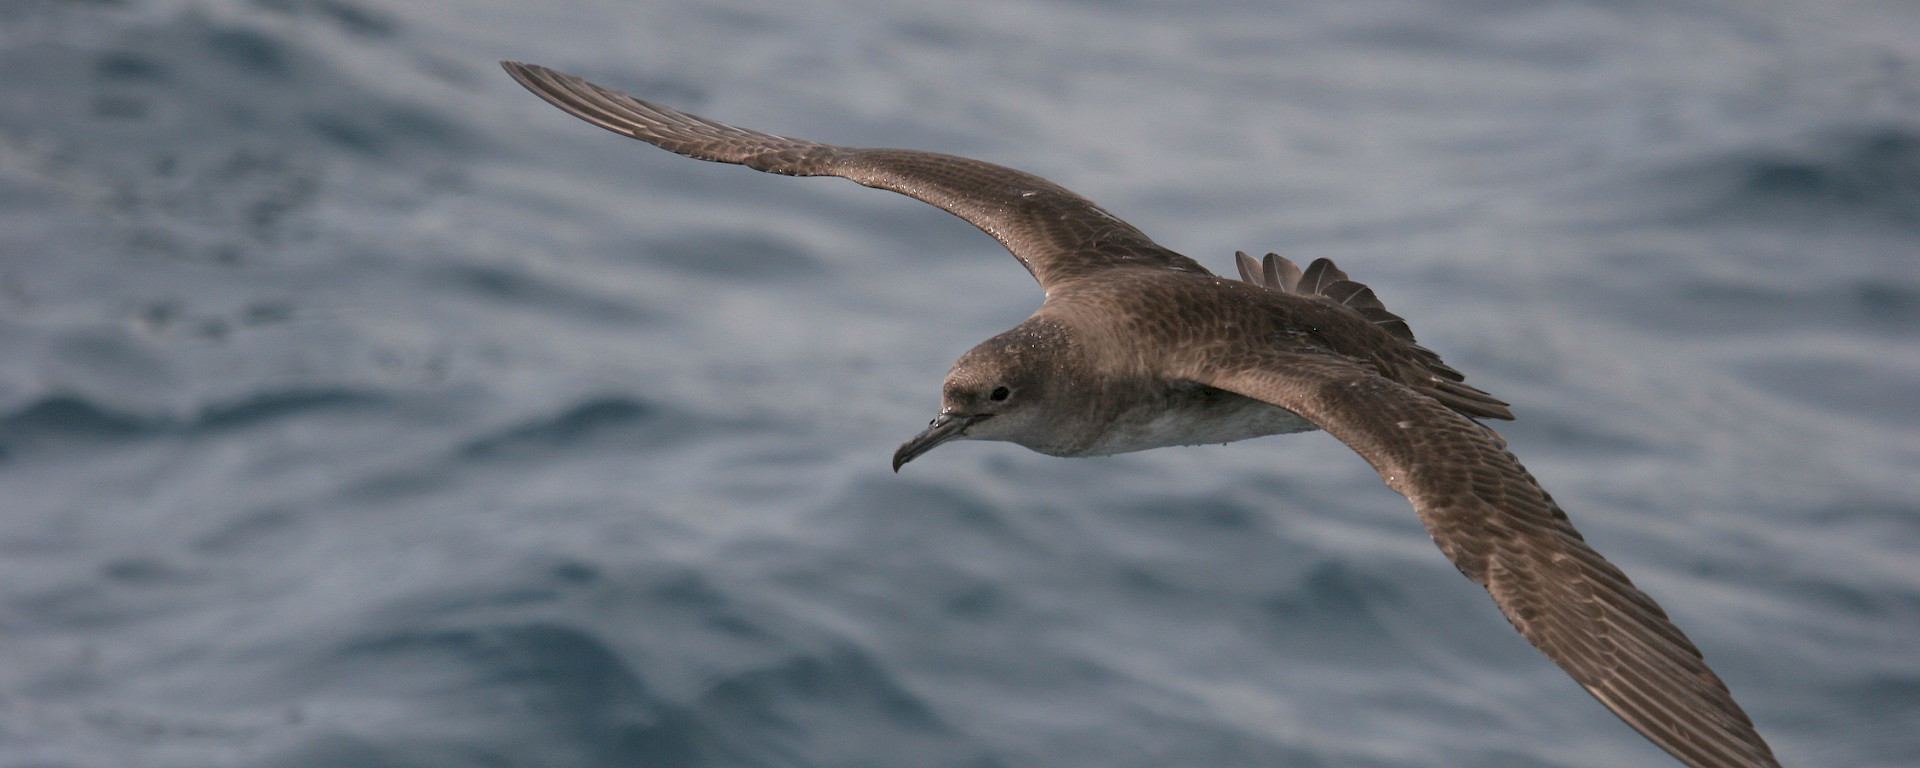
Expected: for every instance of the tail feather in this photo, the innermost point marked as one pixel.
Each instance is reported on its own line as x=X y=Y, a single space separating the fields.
x=1323 y=279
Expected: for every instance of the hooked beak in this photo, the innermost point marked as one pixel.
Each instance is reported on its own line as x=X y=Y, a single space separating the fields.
x=945 y=427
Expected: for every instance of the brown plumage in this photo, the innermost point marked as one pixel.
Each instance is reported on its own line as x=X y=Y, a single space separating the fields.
x=1138 y=347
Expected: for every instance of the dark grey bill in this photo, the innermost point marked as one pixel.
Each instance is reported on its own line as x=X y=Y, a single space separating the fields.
x=945 y=427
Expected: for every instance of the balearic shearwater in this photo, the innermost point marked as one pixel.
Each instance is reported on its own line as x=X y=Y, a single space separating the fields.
x=1139 y=347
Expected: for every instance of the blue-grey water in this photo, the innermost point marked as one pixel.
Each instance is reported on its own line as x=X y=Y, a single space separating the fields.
x=357 y=408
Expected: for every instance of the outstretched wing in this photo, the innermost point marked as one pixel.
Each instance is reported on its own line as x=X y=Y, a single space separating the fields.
x=1057 y=234
x=1504 y=532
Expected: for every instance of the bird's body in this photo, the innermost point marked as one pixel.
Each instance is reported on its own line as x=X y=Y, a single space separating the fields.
x=1138 y=347
x=1115 y=352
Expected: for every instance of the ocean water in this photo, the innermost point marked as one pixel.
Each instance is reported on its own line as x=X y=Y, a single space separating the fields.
x=357 y=408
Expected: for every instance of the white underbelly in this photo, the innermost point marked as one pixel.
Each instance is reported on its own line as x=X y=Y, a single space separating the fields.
x=1222 y=422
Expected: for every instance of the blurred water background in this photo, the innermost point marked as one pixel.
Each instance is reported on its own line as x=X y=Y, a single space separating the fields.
x=357 y=408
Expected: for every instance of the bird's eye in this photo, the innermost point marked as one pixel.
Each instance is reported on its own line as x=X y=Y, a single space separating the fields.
x=999 y=393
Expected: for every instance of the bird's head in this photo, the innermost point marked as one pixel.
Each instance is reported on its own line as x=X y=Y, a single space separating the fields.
x=1004 y=389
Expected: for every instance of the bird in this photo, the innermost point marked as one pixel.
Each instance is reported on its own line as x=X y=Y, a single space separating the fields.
x=1136 y=346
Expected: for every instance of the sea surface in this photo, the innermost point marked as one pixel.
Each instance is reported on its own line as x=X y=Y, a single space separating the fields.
x=357 y=408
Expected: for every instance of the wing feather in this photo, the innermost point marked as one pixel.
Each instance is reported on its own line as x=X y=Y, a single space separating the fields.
x=1057 y=234
x=1504 y=532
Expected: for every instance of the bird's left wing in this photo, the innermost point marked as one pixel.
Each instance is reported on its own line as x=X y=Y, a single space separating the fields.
x=1505 y=533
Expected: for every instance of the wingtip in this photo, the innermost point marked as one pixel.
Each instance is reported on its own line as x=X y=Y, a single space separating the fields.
x=521 y=72
x=529 y=75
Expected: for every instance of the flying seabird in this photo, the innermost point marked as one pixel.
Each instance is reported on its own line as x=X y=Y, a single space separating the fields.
x=1139 y=347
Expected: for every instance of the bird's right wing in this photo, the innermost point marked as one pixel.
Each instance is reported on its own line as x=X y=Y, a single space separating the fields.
x=1057 y=234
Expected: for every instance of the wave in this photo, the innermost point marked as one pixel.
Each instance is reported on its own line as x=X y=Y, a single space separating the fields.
x=348 y=17
x=734 y=255
x=71 y=416
x=217 y=136
x=581 y=691
x=516 y=287
x=1870 y=171
x=580 y=424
